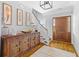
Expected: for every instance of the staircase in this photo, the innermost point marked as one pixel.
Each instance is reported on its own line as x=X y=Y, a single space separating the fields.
x=44 y=35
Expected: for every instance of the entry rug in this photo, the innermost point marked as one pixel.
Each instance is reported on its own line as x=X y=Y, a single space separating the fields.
x=47 y=51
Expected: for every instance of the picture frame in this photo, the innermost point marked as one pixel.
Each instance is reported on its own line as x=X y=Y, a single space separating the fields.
x=19 y=17
x=7 y=14
x=26 y=18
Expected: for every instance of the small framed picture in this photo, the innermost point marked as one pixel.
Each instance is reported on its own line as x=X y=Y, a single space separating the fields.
x=28 y=18
x=7 y=14
x=19 y=17
x=25 y=18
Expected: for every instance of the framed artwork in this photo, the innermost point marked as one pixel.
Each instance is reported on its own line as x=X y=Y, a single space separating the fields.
x=25 y=18
x=28 y=18
x=19 y=17
x=7 y=14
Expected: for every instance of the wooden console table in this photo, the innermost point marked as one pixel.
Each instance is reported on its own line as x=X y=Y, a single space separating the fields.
x=15 y=45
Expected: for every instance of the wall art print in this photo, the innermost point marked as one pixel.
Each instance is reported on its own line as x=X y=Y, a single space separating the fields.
x=7 y=14
x=19 y=17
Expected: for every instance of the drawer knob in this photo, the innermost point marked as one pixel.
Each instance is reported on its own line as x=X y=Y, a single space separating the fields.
x=16 y=45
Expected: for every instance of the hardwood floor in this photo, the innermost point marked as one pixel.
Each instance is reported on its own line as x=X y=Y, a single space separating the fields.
x=30 y=52
x=57 y=44
x=62 y=45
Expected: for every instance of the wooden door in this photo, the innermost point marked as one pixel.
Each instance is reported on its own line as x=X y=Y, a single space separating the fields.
x=61 y=26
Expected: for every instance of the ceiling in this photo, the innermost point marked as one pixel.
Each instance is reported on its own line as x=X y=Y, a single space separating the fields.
x=36 y=5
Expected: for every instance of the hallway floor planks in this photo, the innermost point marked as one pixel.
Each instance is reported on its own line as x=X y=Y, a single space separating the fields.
x=62 y=45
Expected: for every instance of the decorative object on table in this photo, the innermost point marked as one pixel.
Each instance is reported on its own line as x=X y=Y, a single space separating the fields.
x=7 y=14
x=19 y=17
x=46 y=5
x=26 y=30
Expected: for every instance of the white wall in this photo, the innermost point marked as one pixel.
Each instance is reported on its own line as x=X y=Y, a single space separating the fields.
x=14 y=27
x=76 y=26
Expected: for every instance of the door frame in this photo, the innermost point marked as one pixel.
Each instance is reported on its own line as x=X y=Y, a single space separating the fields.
x=70 y=26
